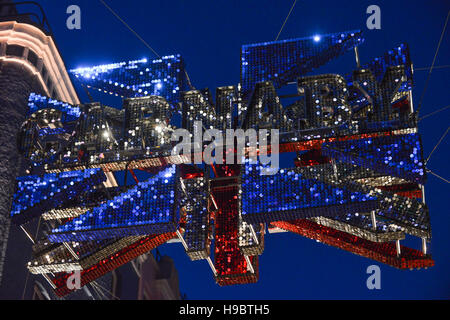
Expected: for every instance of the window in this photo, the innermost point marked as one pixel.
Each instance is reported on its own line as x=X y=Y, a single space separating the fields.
x=44 y=72
x=33 y=58
x=14 y=50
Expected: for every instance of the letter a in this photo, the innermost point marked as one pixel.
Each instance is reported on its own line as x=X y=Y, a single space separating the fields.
x=374 y=281
x=74 y=281
x=74 y=21
x=374 y=21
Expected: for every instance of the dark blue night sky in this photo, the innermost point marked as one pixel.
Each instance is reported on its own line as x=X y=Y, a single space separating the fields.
x=209 y=34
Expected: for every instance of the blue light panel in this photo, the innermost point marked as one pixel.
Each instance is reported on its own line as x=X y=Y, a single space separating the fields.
x=149 y=208
x=395 y=57
x=284 y=61
x=35 y=194
x=409 y=213
x=400 y=156
x=163 y=77
x=288 y=195
x=37 y=102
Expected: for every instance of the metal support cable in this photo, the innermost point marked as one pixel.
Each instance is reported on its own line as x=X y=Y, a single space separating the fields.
x=434 y=112
x=129 y=28
x=435 y=67
x=289 y=14
x=106 y=290
x=432 y=65
x=438 y=176
x=435 y=147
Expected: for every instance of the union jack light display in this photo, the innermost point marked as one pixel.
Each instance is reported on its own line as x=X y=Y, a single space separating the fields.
x=357 y=181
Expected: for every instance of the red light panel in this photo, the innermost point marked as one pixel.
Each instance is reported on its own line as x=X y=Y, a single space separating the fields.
x=382 y=252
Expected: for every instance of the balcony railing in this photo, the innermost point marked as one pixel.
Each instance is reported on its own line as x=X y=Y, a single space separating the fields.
x=33 y=14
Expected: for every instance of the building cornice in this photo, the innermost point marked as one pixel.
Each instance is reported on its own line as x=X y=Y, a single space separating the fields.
x=49 y=68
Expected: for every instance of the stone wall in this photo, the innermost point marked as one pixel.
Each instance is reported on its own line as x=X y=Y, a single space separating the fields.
x=16 y=83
